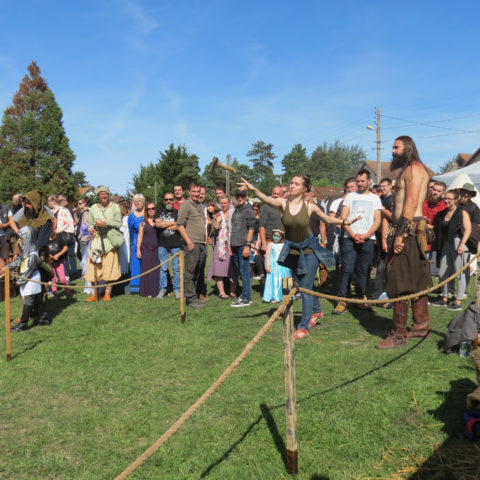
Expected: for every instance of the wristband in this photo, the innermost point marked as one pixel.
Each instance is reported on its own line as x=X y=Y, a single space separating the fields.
x=249 y=244
x=401 y=226
x=343 y=221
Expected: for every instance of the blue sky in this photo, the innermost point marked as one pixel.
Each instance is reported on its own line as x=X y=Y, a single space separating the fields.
x=133 y=76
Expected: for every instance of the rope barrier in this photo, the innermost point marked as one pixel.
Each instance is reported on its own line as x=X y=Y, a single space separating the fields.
x=209 y=392
x=391 y=300
x=81 y=287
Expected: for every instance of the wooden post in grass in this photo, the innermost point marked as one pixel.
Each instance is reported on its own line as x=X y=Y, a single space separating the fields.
x=290 y=384
x=7 y=315
x=182 y=286
x=477 y=296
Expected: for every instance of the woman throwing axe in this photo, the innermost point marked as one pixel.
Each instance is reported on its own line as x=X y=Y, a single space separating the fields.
x=301 y=252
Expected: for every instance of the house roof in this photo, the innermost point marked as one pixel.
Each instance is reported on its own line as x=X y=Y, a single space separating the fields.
x=386 y=173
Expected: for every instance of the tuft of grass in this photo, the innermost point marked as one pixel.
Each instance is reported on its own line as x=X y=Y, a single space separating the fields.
x=84 y=397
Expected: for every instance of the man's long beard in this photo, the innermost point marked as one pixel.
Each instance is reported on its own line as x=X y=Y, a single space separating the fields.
x=30 y=213
x=398 y=161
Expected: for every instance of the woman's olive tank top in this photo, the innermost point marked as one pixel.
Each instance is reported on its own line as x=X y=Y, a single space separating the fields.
x=297 y=227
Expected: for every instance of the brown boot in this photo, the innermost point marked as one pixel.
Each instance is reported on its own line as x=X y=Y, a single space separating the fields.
x=421 y=319
x=398 y=336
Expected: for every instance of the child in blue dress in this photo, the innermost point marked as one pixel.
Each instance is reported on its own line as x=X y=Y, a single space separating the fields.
x=273 y=291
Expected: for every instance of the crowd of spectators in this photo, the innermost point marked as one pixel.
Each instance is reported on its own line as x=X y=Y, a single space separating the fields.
x=116 y=238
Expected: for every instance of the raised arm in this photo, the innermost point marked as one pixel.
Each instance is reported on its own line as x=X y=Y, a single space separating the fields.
x=273 y=202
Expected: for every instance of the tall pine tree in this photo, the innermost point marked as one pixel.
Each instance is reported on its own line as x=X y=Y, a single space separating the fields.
x=34 y=150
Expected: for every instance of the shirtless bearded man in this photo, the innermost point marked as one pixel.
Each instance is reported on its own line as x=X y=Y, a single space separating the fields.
x=410 y=270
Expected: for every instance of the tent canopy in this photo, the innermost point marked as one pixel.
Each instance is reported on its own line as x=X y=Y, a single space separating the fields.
x=459 y=177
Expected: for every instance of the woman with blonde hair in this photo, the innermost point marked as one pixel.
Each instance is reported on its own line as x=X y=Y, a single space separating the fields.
x=134 y=221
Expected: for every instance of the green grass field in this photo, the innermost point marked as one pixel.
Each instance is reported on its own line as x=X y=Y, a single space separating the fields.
x=84 y=397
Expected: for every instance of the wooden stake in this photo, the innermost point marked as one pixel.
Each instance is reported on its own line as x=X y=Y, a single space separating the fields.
x=290 y=383
x=7 y=315
x=182 y=286
x=477 y=296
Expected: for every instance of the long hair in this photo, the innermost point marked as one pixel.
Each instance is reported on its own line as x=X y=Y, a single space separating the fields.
x=411 y=152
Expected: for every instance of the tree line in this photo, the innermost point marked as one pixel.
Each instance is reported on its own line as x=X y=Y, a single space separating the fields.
x=35 y=153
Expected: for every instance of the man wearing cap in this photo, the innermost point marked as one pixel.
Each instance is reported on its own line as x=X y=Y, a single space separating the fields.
x=104 y=221
x=241 y=234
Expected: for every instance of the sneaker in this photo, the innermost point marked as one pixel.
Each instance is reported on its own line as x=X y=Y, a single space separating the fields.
x=340 y=308
x=241 y=303
x=455 y=306
x=196 y=304
x=177 y=294
x=439 y=303
x=161 y=294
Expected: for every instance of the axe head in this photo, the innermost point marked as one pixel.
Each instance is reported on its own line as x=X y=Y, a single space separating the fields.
x=213 y=166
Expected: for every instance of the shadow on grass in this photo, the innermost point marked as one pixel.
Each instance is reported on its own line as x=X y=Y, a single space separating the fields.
x=456 y=457
x=27 y=349
x=276 y=436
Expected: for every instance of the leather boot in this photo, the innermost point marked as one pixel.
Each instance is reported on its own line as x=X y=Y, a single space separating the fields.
x=43 y=320
x=23 y=325
x=421 y=319
x=398 y=336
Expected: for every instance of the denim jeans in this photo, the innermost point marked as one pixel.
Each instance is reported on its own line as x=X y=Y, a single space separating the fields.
x=242 y=265
x=356 y=258
x=310 y=304
x=164 y=253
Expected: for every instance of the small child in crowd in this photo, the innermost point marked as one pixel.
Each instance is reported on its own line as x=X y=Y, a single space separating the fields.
x=57 y=254
x=273 y=291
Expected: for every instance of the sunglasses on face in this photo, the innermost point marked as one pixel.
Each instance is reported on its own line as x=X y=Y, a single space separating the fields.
x=151 y=208
x=169 y=199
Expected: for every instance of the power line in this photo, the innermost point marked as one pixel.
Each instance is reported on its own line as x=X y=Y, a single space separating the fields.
x=412 y=122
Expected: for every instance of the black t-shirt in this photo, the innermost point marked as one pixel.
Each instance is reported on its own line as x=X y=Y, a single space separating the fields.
x=388 y=202
x=473 y=211
x=55 y=246
x=168 y=238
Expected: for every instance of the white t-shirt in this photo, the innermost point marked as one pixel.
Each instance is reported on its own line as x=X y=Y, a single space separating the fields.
x=363 y=205
x=334 y=205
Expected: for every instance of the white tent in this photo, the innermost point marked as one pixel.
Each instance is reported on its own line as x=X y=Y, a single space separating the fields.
x=459 y=177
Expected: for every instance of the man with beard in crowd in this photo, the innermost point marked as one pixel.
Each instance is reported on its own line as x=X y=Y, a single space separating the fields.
x=432 y=206
x=410 y=271
x=169 y=243
x=467 y=192
x=37 y=216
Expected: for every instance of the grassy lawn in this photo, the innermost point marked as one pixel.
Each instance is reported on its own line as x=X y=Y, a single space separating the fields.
x=83 y=398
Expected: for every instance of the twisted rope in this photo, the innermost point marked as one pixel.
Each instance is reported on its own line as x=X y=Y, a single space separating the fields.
x=81 y=287
x=391 y=300
x=209 y=392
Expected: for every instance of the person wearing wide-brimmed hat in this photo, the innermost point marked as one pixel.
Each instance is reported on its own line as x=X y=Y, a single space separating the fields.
x=104 y=221
x=467 y=192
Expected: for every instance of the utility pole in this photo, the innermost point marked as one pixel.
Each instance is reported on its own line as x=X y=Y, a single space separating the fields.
x=227 y=177
x=379 y=146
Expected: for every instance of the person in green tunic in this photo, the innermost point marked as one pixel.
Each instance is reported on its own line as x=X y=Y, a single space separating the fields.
x=104 y=221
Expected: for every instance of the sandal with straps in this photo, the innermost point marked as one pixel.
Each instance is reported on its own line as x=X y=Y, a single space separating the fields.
x=300 y=333
x=314 y=319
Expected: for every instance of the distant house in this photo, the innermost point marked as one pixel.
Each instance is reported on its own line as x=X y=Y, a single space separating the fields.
x=371 y=166
x=85 y=191
x=463 y=160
